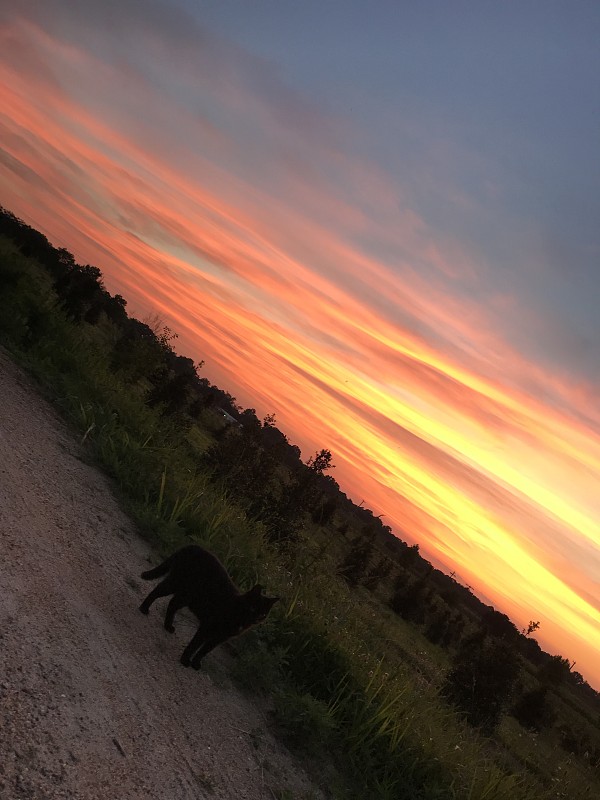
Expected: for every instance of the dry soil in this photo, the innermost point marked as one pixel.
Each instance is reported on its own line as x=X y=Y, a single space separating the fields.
x=93 y=702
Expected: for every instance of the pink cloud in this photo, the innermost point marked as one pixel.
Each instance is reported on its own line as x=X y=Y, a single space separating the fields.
x=319 y=294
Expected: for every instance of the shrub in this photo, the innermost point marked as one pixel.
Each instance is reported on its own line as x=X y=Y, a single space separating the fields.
x=532 y=710
x=304 y=721
x=482 y=680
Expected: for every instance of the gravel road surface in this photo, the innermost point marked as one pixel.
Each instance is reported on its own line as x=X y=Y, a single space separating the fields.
x=93 y=702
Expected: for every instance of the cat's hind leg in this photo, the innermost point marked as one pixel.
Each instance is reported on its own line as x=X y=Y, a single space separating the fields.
x=163 y=589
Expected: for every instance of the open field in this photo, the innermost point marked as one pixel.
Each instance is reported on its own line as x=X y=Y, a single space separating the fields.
x=352 y=686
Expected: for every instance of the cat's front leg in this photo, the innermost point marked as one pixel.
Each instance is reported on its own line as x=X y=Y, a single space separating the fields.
x=197 y=640
x=208 y=645
x=185 y=659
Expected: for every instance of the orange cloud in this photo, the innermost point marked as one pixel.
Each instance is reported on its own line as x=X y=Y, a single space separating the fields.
x=321 y=295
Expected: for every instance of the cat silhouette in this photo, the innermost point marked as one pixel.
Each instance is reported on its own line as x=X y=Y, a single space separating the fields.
x=197 y=580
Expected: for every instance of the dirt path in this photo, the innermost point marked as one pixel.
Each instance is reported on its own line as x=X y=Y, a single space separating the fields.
x=93 y=702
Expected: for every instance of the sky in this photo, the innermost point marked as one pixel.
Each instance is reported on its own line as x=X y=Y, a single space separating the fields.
x=377 y=220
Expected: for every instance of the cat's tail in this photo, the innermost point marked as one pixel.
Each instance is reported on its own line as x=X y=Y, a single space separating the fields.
x=158 y=571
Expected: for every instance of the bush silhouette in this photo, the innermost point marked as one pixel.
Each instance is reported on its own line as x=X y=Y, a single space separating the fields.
x=482 y=680
x=532 y=710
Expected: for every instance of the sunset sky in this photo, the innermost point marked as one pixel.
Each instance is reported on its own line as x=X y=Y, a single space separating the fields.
x=380 y=221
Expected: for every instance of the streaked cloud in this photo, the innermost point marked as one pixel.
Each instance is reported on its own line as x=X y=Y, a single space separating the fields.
x=315 y=285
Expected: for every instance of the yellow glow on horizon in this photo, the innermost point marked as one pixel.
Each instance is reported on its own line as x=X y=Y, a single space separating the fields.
x=481 y=465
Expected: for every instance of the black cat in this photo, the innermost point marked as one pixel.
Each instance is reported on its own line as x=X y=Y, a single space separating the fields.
x=198 y=580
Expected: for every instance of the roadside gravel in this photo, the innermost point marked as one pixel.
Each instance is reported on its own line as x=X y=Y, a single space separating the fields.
x=93 y=702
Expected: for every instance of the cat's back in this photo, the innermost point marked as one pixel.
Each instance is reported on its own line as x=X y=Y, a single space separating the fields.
x=198 y=570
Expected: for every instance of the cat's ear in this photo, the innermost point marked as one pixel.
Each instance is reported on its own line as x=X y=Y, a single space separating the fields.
x=255 y=591
x=272 y=600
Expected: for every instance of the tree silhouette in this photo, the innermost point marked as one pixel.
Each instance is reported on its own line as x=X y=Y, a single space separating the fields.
x=320 y=462
x=482 y=679
x=555 y=671
x=531 y=628
x=378 y=573
x=82 y=292
x=355 y=564
x=137 y=353
x=454 y=630
x=438 y=622
x=532 y=709
x=409 y=555
x=408 y=599
x=324 y=510
x=499 y=625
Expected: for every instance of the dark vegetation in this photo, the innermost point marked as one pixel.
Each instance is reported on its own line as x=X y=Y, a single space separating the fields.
x=411 y=685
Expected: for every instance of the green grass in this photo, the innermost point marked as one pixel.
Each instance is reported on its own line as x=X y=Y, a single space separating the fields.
x=344 y=674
